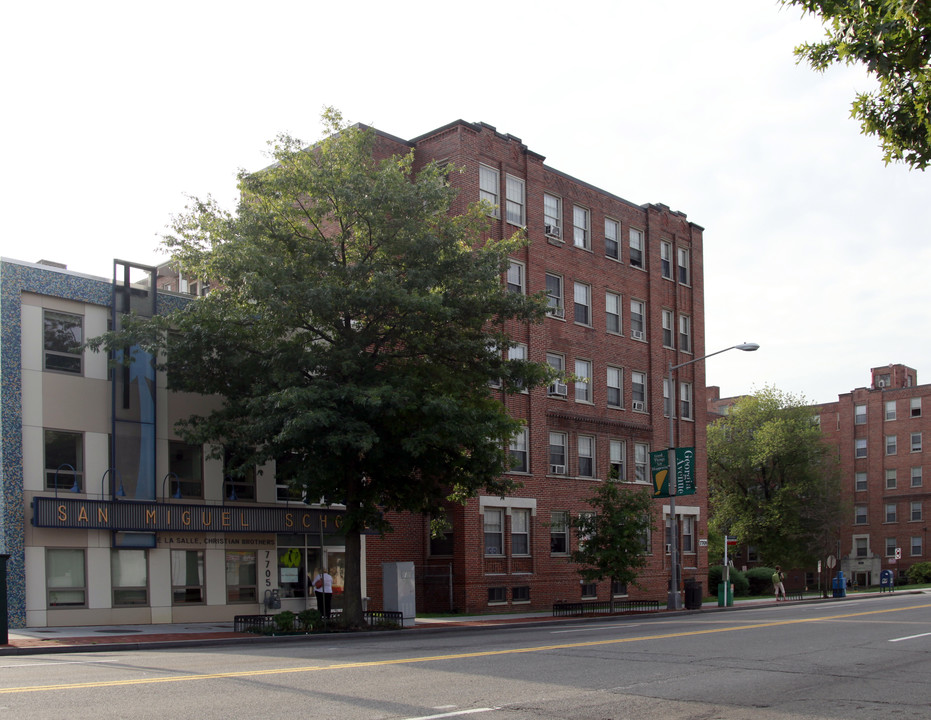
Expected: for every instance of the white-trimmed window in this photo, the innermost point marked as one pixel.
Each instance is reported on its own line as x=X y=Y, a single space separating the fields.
x=518 y=451
x=520 y=531
x=859 y=481
x=516 y=196
x=558 y=363
x=891 y=444
x=63 y=334
x=519 y=353
x=665 y=259
x=667 y=317
x=612 y=239
x=859 y=414
x=890 y=547
x=586 y=447
x=516 y=277
x=615 y=387
x=65 y=577
x=914 y=407
x=916 y=546
x=915 y=510
x=618 y=457
x=859 y=447
x=583 y=303
x=636 y=248
x=861 y=546
x=241 y=577
x=891 y=479
x=638 y=388
x=583 y=382
x=613 y=313
x=916 y=477
x=688 y=534
x=581 y=227
x=488 y=187
x=494 y=531
x=554 y=295
x=859 y=514
x=667 y=399
x=559 y=532
x=557 y=453
x=891 y=512
x=685 y=400
x=916 y=442
x=637 y=315
x=890 y=409
x=684 y=266
x=641 y=462
x=685 y=333
x=187 y=577
x=129 y=577
x=552 y=215
x=64 y=460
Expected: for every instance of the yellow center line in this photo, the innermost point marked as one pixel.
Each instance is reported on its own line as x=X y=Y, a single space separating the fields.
x=454 y=656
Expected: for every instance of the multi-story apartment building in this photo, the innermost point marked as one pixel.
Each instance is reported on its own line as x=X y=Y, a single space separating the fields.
x=624 y=284
x=880 y=433
x=108 y=517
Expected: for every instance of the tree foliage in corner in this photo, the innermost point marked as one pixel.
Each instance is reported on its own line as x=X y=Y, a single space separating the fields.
x=351 y=334
x=613 y=537
x=892 y=38
x=773 y=480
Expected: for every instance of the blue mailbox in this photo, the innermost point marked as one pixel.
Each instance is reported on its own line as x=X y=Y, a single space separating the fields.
x=886 y=581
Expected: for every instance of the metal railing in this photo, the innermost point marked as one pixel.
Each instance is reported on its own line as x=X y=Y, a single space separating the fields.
x=264 y=623
x=603 y=607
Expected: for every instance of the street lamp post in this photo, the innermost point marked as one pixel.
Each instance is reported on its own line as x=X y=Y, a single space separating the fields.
x=674 y=601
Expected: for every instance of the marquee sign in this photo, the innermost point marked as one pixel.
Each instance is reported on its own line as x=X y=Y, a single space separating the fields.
x=134 y=516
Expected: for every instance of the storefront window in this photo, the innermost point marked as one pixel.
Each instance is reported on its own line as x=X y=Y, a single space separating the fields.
x=241 y=576
x=65 y=578
x=129 y=577
x=187 y=577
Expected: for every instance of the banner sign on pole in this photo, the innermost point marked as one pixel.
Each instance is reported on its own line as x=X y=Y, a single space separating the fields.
x=659 y=471
x=685 y=472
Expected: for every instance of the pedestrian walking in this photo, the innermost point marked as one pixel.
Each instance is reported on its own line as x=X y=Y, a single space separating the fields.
x=778 y=587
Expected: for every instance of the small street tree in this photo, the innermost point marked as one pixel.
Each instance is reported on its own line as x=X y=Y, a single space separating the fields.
x=773 y=481
x=613 y=536
x=351 y=333
x=891 y=39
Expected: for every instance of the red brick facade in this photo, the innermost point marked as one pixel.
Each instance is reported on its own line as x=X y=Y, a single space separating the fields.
x=880 y=433
x=510 y=568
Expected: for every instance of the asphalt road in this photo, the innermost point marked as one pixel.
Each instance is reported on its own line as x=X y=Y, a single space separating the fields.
x=852 y=659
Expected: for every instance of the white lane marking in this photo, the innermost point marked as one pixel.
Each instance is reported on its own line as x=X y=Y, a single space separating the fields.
x=454 y=714
x=64 y=662
x=910 y=637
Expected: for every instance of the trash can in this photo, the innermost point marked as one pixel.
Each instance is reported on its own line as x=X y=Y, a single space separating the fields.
x=693 y=595
x=839 y=585
x=725 y=599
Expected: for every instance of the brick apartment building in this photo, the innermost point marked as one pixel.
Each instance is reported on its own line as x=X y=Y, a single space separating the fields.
x=879 y=433
x=625 y=291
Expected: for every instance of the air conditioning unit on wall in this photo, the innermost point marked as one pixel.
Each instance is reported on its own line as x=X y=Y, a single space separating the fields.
x=559 y=388
x=551 y=230
x=558 y=469
x=639 y=406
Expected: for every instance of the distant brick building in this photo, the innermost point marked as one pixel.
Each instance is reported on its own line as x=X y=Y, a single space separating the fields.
x=625 y=288
x=879 y=432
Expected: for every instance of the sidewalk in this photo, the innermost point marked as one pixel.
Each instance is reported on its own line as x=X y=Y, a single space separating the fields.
x=29 y=641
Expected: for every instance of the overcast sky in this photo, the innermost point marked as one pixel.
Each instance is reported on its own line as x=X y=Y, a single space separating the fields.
x=113 y=112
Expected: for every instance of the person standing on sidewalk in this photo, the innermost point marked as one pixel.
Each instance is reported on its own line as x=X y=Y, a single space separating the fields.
x=778 y=587
x=323 y=589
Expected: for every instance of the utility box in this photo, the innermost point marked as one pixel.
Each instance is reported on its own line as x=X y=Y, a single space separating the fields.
x=399 y=590
x=725 y=594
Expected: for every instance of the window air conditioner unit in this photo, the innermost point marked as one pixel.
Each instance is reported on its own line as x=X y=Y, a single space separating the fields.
x=668 y=548
x=636 y=334
x=558 y=469
x=557 y=312
x=559 y=388
x=639 y=405
x=551 y=230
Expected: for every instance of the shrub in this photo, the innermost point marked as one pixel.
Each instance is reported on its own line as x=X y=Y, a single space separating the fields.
x=919 y=573
x=716 y=576
x=760 y=580
x=310 y=620
x=284 y=621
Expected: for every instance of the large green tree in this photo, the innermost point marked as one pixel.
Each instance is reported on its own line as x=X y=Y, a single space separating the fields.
x=773 y=480
x=351 y=333
x=892 y=39
x=612 y=537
